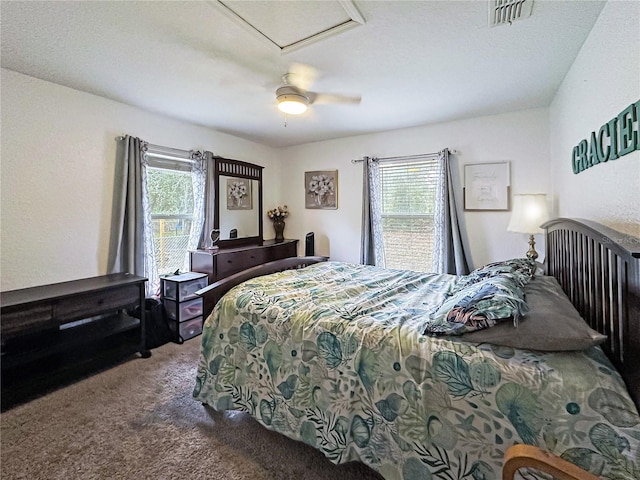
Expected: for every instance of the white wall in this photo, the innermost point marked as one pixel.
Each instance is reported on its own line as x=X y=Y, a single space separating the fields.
x=58 y=154
x=521 y=138
x=58 y=165
x=604 y=79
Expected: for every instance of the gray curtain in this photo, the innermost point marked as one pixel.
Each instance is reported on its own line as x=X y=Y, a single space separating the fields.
x=127 y=245
x=372 y=246
x=209 y=199
x=449 y=251
x=367 y=255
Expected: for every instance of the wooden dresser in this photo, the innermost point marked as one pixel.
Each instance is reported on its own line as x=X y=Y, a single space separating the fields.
x=221 y=263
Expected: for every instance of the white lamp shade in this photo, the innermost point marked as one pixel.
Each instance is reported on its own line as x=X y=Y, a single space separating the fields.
x=529 y=212
x=292 y=104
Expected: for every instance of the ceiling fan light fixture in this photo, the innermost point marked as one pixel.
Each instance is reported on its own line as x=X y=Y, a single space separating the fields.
x=292 y=104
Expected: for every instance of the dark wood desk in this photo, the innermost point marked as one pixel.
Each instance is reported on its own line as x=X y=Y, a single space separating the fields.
x=44 y=320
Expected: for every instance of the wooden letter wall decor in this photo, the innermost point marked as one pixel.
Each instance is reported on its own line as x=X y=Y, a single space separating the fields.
x=617 y=137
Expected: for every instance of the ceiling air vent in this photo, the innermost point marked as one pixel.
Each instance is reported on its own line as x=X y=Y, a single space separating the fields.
x=505 y=12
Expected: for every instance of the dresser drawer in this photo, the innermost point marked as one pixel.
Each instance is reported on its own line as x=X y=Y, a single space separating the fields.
x=284 y=250
x=26 y=318
x=234 y=262
x=95 y=303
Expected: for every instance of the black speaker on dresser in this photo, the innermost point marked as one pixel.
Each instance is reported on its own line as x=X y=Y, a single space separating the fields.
x=309 y=245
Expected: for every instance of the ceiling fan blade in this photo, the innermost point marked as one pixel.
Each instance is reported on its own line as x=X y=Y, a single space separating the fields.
x=301 y=75
x=324 y=98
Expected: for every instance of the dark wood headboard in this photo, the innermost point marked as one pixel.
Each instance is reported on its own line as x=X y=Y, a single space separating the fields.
x=599 y=269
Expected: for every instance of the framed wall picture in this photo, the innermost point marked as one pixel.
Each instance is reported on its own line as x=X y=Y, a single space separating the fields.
x=321 y=189
x=486 y=186
x=239 y=194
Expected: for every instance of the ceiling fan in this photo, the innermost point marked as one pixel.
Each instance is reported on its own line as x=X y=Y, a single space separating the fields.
x=293 y=95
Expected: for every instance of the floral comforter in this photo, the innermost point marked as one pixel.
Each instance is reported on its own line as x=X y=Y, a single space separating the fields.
x=335 y=355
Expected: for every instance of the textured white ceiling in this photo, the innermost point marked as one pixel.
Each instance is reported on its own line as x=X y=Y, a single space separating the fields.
x=286 y=23
x=414 y=63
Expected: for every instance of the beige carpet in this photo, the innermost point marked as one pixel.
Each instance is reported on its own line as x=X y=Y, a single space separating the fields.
x=138 y=421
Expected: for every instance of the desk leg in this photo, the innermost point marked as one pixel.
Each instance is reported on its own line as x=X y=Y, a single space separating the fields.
x=144 y=351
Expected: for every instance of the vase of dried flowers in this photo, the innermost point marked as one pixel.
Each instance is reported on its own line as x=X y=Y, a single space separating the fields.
x=277 y=215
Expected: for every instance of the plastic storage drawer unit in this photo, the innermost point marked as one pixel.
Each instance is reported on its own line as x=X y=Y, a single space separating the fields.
x=184 y=308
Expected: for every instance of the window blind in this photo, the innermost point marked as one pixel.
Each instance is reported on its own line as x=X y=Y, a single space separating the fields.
x=408 y=204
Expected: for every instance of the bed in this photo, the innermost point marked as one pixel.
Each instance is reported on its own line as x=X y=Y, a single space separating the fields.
x=383 y=381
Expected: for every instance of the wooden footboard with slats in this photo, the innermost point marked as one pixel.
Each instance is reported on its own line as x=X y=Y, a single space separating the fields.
x=599 y=270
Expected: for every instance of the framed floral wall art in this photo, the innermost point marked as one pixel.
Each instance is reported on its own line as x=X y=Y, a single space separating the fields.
x=321 y=189
x=239 y=194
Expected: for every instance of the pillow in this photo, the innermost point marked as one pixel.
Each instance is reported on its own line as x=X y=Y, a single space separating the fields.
x=519 y=269
x=552 y=324
x=479 y=305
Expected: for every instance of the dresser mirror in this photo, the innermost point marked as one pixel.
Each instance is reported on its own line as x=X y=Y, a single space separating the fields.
x=238 y=202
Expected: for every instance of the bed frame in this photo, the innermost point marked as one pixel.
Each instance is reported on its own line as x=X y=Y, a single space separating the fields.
x=597 y=267
x=599 y=270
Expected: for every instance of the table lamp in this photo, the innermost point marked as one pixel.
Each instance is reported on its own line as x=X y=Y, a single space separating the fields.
x=529 y=212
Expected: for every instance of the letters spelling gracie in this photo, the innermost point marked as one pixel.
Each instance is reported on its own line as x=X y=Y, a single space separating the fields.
x=617 y=137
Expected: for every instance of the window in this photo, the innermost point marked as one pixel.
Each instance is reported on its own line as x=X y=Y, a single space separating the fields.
x=171 y=202
x=408 y=192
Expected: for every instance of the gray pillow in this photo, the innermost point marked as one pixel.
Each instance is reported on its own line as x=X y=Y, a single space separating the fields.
x=552 y=324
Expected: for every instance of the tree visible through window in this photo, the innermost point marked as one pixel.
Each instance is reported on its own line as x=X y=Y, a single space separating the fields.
x=408 y=204
x=171 y=204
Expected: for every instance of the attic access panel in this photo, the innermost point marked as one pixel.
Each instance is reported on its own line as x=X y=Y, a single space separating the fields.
x=291 y=25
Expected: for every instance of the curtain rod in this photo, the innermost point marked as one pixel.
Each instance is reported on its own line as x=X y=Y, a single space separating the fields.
x=168 y=153
x=405 y=157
